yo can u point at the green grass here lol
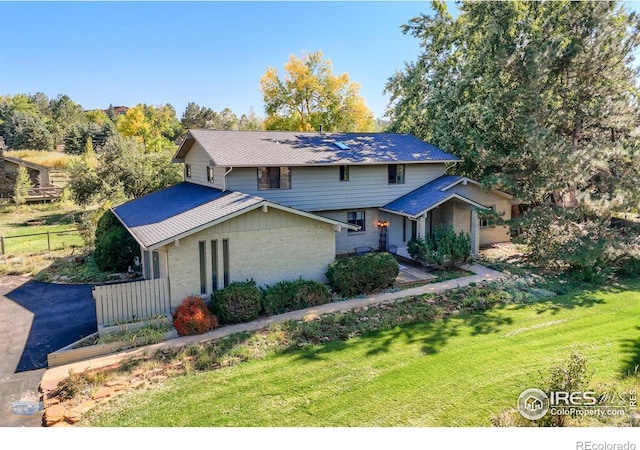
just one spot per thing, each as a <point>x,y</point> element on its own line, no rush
<point>460,371</point>
<point>60,237</point>
<point>57,218</point>
<point>30,255</point>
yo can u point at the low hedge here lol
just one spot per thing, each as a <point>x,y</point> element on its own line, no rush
<point>362,274</point>
<point>287,296</point>
<point>241,301</point>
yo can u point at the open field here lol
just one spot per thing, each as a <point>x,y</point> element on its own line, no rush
<point>57,160</point>
<point>461,371</point>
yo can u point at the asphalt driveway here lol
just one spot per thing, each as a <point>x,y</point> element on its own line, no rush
<point>36,319</point>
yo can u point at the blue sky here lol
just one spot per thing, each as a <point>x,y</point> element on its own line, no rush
<point>209,52</point>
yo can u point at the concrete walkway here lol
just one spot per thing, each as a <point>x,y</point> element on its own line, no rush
<point>481,274</point>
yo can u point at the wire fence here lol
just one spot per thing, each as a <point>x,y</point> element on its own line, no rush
<point>32,242</point>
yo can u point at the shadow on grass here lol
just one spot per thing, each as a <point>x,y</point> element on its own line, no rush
<point>557,304</point>
<point>631,350</point>
<point>432,336</point>
<point>436,334</point>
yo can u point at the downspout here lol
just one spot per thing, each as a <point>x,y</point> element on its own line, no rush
<point>449,166</point>
<point>225,178</point>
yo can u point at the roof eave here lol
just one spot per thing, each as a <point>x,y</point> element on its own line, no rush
<point>329,164</point>
<point>143,246</point>
<point>184,148</point>
<point>24,162</point>
<point>477,183</point>
<point>234,214</point>
<point>311,216</point>
<point>435,205</point>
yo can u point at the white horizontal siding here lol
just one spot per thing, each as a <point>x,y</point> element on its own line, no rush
<point>199,160</point>
<point>319,188</point>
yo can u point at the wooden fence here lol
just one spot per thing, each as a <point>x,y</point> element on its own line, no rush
<point>125,302</point>
<point>48,234</point>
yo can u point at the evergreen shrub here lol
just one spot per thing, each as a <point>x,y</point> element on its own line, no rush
<point>287,296</point>
<point>362,274</point>
<point>241,301</point>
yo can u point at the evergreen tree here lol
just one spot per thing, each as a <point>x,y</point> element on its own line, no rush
<point>111,113</point>
<point>538,99</point>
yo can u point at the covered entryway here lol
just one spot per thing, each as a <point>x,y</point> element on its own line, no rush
<point>421,211</point>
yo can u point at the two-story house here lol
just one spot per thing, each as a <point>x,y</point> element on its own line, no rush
<point>271,206</point>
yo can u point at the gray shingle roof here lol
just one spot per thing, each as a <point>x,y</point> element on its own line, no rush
<point>171,212</point>
<point>286,148</point>
<point>185,208</point>
<point>426,197</point>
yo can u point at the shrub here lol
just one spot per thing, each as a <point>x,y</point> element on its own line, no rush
<point>445,250</point>
<point>193,317</point>
<point>573,376</point>
<point>628,267</point>
<point>362,274</point>
<point>115,248</point>
<point>292,295</point>
<point>587,247</point>
<point>238,302</point>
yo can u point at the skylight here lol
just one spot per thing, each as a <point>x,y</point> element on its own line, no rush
<point>341,145</point>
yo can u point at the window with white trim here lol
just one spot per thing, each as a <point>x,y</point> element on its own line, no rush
<point>356,218</point>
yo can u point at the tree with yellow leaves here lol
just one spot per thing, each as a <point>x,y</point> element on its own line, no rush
<point>157,127</point>
<point>310,97</point>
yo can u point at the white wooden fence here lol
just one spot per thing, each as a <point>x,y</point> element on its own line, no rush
<point>124,302</point>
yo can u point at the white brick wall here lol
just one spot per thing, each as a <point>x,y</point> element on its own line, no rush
<point>268,247</point>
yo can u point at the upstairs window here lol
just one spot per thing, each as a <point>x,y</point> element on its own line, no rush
<point>210,174</point>
<point>396,173</point>
<point>344,173</point>
<point>274,178</point>
<point>187,170</point>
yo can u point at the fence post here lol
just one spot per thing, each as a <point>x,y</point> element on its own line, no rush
<point>48,240</point>
<point>2,244</point>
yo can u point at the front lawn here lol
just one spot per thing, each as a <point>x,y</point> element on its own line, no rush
<point>462,371</point>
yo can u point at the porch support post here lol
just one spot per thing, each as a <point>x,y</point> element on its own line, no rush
<point>422,225</point>
<point>475,233</point>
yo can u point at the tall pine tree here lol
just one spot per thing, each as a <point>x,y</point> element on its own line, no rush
<point>539,99</point>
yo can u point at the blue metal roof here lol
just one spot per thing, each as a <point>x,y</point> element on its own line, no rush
<point>423,198</point>
<point>165,203</point>
<point>170,212</point>
<point>185,208</point>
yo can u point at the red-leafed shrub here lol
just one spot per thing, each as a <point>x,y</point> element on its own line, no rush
<point>193,317</point>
